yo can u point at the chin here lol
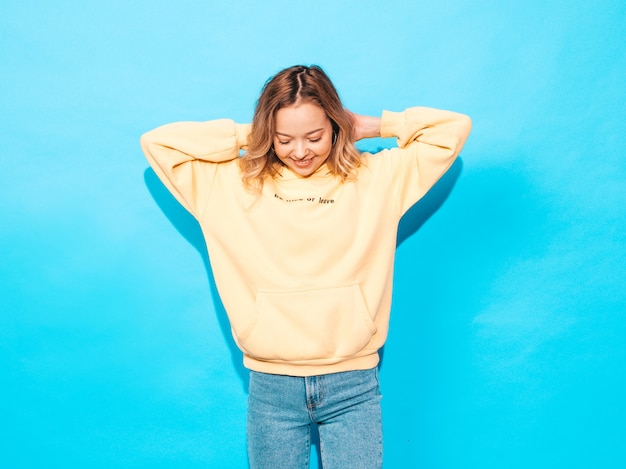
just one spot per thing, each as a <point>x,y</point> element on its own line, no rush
<point>304,172</point>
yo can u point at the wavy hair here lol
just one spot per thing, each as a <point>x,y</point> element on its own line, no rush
<point>291,86</point>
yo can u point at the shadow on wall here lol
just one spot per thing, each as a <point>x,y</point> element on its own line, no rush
<point>419,213</point>
<point>187,226</point>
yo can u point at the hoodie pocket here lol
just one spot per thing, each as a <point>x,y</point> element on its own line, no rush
<point>309,325</point>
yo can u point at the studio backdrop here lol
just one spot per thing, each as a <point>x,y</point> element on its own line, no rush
<point>508,330</point>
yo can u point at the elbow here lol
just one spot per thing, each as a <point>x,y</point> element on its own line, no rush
<point>466,124</point>
<point>147,142</point>
<point>465,127</point>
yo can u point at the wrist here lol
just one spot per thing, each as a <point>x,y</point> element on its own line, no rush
<point>373,127</point>
<point>368,127</point>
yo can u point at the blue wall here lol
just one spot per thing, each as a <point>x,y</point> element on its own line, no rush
<point>507,344</point>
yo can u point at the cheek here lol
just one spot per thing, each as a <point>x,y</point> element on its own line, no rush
<point>280,153</point>
<point>279,149</point>
<point>325,148</point>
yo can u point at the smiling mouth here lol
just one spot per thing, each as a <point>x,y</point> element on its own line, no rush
<point>303,163</point>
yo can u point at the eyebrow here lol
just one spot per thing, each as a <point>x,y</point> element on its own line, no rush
<point>308,133</point>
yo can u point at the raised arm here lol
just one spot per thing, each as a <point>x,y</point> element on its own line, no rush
<point>429,140</point>
<point>446,130</point>
<point>185,156</point>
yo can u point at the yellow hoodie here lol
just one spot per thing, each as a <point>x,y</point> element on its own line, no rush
<point>305,270</point>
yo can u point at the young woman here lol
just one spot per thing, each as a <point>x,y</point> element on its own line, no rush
<point>301,233</point>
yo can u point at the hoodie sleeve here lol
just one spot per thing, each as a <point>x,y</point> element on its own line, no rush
<point>187,155</point>
<point>429,140</point>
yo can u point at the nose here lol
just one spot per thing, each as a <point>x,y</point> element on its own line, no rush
<point>301,150</point>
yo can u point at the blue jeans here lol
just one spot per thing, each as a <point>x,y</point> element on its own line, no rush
<point>346,407</point>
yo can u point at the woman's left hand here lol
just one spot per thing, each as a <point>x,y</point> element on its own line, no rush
<point>364,126</point>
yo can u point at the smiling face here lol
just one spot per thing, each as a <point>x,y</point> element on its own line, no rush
<point>303,139</point>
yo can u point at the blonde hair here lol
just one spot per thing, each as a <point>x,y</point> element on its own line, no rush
<point>291,86</point>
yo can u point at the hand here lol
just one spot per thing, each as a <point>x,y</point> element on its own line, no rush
<point>364,126</point>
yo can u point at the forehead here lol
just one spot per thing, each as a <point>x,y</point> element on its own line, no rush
<point>300,118</point>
